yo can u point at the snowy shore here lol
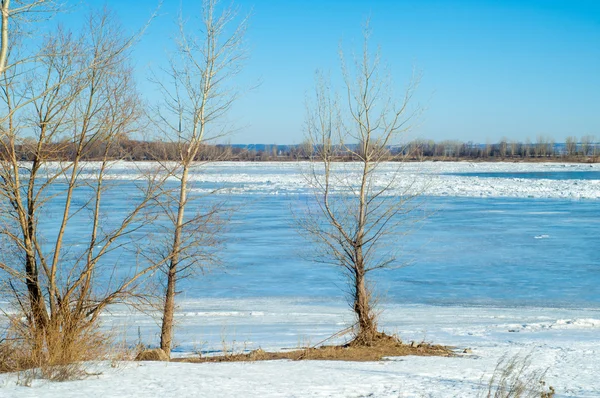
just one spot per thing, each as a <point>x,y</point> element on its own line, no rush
<point>563,342</point>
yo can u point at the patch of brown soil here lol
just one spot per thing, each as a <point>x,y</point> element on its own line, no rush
<point>385,346</point>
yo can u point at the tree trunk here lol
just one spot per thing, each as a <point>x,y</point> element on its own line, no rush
<point>362,300</point>
<point>166,336</point>
<point>36,300</point>
<point>367,329</point>
<point>4,40</point>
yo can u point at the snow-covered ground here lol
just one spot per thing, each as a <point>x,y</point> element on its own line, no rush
<point>562,341</point>
<point>506,264</point>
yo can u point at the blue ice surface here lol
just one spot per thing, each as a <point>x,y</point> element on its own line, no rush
<point>547,175</point>
<point>467,251</point>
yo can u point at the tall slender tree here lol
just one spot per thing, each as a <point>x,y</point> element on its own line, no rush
<point>198,93</point>
<point>356,208</point>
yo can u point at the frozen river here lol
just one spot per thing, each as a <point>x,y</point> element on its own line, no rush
<point>492,251</point>
<point>501,234</point>
<point>505,263</point>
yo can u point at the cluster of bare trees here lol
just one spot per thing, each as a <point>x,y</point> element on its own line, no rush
<point>544,147</point>
<point>73,98</point>
<point>129,149</point>
<point>76,88</point>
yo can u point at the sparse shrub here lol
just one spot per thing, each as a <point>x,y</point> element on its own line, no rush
<point>56,353</point>
<point>155,354</point>
<point>513,378</point>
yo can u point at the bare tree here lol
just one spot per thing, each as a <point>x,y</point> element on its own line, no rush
<point>513,148</point>
<point>571,146</point>
<point>503,147</point>
<point>488,148</point>
<point>80,93</point>
<point>305,150</point>
<point>527,148</point>
<point>198,94</point>
<point>544,146</point>
<point>587,143</point>
<point>417,148</point>
<point>540,146</point>
<point>550,147</point>
<point>356,209</point>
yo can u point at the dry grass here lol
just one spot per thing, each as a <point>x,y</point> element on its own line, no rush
<point>155,354</point>
<point>55,354</point>
<point>385,346</point>
<point>513,378</point>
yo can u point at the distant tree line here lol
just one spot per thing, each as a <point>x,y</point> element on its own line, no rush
<point>544,147</point>
<point>583,149</point>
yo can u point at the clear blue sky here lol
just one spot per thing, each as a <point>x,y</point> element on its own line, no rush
<point>490,68</point>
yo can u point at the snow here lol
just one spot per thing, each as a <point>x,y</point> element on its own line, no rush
<point>562,342</point>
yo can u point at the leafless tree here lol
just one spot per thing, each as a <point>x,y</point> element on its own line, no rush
<point>356,209</point>
<point>198,94</point>
<point>551,147</point>
<point>503,147</point>
<point>304,150</point>
<point>488,148</point>
<point>416,148</point>
<point>81,93</point>
<point>587,145</point>
<point>513,148</point>
<point>544,146</point>
<point>571,146</point>
<point>540,146</point>
<point>527,147</point>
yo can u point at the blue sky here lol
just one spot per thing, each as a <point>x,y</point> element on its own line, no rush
<point>490,69</point>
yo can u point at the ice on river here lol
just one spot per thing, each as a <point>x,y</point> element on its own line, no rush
<point>467,179</point>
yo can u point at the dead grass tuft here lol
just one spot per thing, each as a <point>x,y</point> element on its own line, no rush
<point>513,378</point>
<point>155,354</point>
<point>376,339</point>
<point>55,353</point>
